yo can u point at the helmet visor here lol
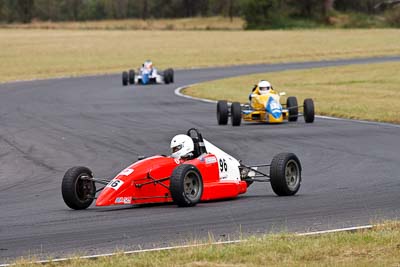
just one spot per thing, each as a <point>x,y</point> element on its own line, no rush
<point>176,148</point>
<point>265,88</point>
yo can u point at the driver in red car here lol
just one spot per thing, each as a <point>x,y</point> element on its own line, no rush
<point>182,147</point>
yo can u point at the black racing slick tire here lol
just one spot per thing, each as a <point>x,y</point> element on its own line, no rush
<point>78,193</point>
<point>285,174</point>
<point>186,185</point>
<point>292,106</point>
<point>125,78</point>
<point>131,77</point>
<point>167,76</point>
<point>171,75</point>
<point>309,113</point>
<point>236,114</point>
<point>222,112</point>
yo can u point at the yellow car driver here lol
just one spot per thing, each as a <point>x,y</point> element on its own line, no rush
<point>260,95</point>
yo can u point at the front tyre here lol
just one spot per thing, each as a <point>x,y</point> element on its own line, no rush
<point>125,78</point>
<point>292,106</point>
<point>309,113</point>
<point>78,193</point>
<point>131,77</point>
<point>186,185</point>
<point>236,113</point>
<point>222,112</point>
<point>285,174</point>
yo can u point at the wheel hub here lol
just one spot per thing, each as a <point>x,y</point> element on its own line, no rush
<point>191,185</point>
<point>292,174</point>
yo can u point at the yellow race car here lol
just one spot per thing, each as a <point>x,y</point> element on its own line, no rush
<point>265,108</point>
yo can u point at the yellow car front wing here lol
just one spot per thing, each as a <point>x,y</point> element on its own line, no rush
<point>263,116</point>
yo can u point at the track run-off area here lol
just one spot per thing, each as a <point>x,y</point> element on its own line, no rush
<point>350,168</point>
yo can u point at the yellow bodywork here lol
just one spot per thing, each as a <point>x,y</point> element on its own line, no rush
<point>258,105</point>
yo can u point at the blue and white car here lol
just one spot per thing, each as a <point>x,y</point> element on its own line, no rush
<point>147,74</point>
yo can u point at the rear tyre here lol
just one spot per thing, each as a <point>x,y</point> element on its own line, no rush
<point>167,76</point>
<point>292,106</point>
<point>77,192</point>
<point>236,113</point>
<point>186,185</point>
<point>309,113</point>
<point>171,75</point>
<point>285,174</point>
<point>125,78</point>
<point>222,112</point>
<point>131,76</point>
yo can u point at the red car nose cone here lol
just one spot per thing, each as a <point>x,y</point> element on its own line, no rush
<point>106,197</point>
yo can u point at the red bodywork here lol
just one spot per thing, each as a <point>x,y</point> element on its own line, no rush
<point>147,181</point>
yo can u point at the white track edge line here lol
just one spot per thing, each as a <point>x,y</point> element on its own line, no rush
<point>179,93</point>
<point>347,229</point>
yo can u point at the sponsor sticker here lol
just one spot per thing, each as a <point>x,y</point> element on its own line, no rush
<point>115,184</point>
<point>177,161</point>
<point>123,200</point>
<point>210,160</point>
<point>223,176</point>
<point>126,172</point>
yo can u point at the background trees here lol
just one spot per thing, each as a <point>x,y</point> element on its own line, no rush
<point>257,13</point>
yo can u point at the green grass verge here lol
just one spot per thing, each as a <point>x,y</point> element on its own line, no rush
<point>367,92</point>
<point>28,54</point>
<point>377,247</point>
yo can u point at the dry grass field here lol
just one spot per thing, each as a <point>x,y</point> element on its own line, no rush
<point>367,92</point>
<point>196,23</point>
<point>377,247</point>
<point>27,54</point>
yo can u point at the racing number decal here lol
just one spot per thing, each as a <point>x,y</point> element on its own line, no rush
<point>274,105</point>
<point>115,184</point>
<point>222,165</point>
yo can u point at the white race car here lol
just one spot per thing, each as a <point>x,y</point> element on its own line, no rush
<point>147,74</point>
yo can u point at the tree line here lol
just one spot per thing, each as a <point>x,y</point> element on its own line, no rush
<point>81,10</point>
<point>256,12</point>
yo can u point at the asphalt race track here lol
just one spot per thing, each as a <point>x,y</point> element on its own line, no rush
<point>350,169</point>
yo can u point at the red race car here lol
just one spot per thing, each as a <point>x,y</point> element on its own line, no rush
<point>196,171</point>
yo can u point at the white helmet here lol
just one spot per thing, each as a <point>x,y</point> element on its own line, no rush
<point>148,64</point>
<point>181,146</point>
<point>264,87</point>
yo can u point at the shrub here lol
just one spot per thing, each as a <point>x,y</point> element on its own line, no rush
<point>260,13</point>
<point>393,17</point>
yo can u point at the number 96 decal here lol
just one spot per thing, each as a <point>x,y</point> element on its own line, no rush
<point>115,184</point>
<point>223,167</point>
